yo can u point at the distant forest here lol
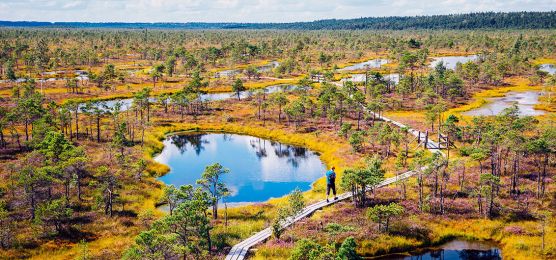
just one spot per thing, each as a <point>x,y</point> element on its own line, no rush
<point>489,20</point>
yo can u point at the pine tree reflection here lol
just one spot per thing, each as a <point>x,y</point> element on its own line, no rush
<point>196,142</point>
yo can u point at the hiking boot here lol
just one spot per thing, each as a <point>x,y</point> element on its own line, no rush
<point>335,198</point>
<point>327,201</point>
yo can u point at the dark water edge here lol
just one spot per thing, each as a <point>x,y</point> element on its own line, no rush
<point>453,250</point>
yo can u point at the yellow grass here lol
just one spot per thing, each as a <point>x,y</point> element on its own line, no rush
<point>544,61</point>
<point>517,84</point>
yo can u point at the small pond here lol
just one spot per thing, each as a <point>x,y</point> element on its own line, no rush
<point>226,73</point>
<point>394,78</point>
<point>525,101</point>
<point>549,68</point>
<point>454,250</point>
<point>232,72</point>
<point>371,64</point>
<point>79,75</point>
<point>259,169</point>
<point>244,94</point>
<point>268,67</point>
<point>126,103</point>
<point>450,62</point>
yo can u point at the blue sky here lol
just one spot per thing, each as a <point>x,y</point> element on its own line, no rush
<point>247,10</point>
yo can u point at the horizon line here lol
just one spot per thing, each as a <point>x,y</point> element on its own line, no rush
<point>308,21</point>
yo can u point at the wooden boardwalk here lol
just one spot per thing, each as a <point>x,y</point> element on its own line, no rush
<point>240,250</point>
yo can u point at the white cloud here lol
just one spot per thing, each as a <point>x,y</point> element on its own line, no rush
<point>247,10</point>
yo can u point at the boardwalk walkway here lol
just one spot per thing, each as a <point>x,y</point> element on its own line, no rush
<point>240,250</point>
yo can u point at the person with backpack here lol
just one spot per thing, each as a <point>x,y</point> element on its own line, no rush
<point>331,183</point>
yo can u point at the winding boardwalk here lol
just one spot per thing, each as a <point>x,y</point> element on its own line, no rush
<point>240,250</point>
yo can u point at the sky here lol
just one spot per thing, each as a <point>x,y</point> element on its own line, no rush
<point>246,10</point>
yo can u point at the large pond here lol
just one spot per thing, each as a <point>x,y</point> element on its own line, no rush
<point>259,169</point>
<point>371,64</point>
<point>450,62</point>
<point>549,68</point>
<point>454,250</point>
<point>525,101</point>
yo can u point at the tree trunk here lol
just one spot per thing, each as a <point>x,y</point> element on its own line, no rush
<point>77,123</point>
<point>98,128</point>
<point>420,181</point>
<point>79,188</point>
<point>26,129</point>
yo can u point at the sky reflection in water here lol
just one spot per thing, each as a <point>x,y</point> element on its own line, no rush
<point>260,169</point>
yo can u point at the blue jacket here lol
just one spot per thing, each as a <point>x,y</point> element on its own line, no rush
<point>330,177</point>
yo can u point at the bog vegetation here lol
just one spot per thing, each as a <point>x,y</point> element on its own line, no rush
<point>84,110</point>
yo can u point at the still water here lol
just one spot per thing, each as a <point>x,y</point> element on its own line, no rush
<point>455,250</point>
<point>525,101</point>
<point>126,103</point>
<point>393,78</point>
<point>450,62</point>
<point>232,72</point>
<point>259,169</point>
<point>549,68</point>
<point>371,64</point>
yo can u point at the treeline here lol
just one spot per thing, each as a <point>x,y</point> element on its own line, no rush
<point>488,20</point>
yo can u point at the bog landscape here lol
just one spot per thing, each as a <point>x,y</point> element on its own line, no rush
<point>435,136</point>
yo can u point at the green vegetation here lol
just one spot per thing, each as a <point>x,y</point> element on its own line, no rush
<point>79,181</point>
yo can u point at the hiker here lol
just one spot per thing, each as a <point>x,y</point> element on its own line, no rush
<point>331,183</point>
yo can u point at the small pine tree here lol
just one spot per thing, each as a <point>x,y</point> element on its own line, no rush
<point>347,250</point>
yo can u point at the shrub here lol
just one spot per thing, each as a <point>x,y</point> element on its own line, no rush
<point>345,129</point>
<point>356,141</point>
<point>382,214</point>
<point>276,224</point>
<point>306,249</point>
<point>466,150</point>
<point>296,201</point>
<point>336,228</point>
<point>347,250</point>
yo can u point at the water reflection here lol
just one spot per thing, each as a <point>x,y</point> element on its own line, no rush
<point>525,101</point>
<point>126,103</point>
<point>455,250</point>
<point>80,75</point>
<point>548,68</point>
<point>371,64</point>
<point>194,141</point>
<point>260,169</point>
<point>450,62</point>
<point>268,67</point>
<point>226,73</point>
<point>393,78</point>
<point>233,72</point>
